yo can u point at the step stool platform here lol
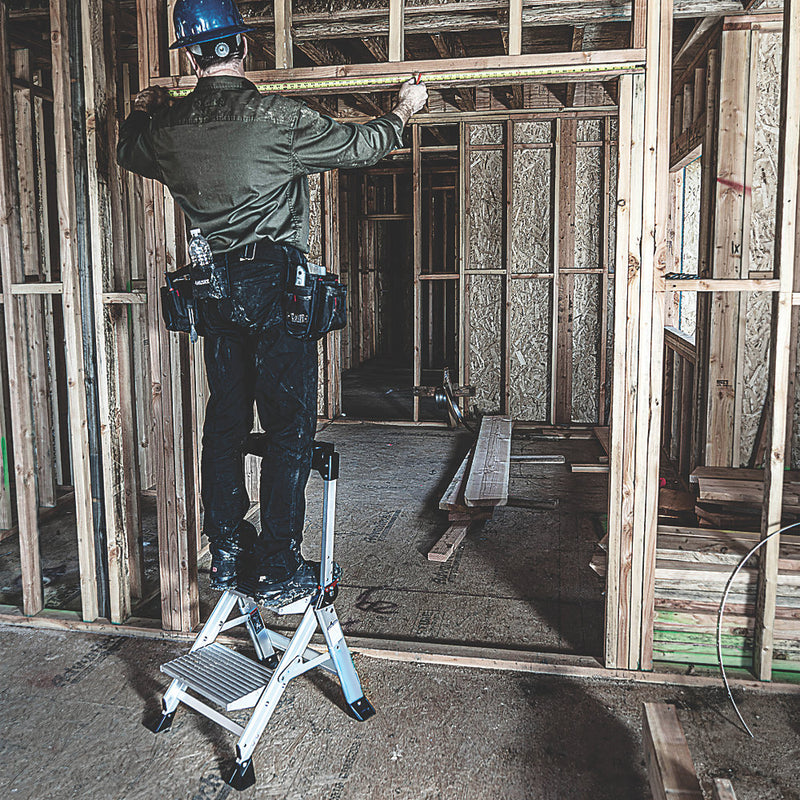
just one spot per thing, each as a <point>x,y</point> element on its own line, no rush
<point>221,675</point>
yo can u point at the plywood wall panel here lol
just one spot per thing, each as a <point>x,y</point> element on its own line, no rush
<point>761,250</point>
<point>589,130</point>
<point>533,132</point>
<point>486,230</point>
<point>585,348</point>
<point>531,235</point>
<point>758,320</point>
<point>690,242</point>
<point>531,314</point>
<point>588,223</point>
<point>484,300</point>
<point>486,134</point>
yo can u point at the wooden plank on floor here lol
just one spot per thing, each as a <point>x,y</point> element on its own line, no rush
<point>453,498</point>
<point>669,762</point>
<point>487,484</point>
<point>723,790</point>
<point>446,546</point>
<point>599,468</point>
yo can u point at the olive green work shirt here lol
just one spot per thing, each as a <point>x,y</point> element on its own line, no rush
<point>237,161</point>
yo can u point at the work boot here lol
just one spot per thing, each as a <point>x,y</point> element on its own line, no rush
<point>229,555</point>
<point>304,582</point>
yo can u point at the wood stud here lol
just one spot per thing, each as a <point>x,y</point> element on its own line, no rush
<point>787,269</point>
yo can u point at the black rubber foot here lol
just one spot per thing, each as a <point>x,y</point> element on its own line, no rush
<point>270,662</point>
<point>362,709</point>
<point>164,723</point>
<point>243,777</point>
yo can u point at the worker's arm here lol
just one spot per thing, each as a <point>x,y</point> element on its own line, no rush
<point>320,143</point>
<point>134,148</point>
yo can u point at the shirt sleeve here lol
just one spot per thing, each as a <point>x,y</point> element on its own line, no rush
<point>320,143</point>
<point>135,146</point>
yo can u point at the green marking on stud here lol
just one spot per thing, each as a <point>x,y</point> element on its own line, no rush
<point>4,449</point>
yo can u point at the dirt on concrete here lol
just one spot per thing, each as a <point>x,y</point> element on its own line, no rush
<point>74,707</point>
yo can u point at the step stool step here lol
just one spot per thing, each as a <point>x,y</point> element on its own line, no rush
<point>221,675</point>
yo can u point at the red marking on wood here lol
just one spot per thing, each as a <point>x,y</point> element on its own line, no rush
<point>740,187</point>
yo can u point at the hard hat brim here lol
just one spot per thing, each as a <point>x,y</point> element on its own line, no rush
<point>210,36</point>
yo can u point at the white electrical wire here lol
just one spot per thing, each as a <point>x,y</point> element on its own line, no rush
<point>722,611</point>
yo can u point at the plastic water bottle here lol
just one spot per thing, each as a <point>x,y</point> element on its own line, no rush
<point>200,251</point>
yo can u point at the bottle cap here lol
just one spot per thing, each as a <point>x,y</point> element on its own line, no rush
<point>195,231</point>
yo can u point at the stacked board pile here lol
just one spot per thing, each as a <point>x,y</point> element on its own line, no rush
<point>732,497</point>
<point>692,567</point>
<point>479,485</point>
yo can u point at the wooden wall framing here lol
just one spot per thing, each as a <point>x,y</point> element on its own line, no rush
<point>638,340</point>
<point>512,178</point>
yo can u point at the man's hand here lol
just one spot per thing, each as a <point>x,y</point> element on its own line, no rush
<point>412,98</point>
<point>151,98</point>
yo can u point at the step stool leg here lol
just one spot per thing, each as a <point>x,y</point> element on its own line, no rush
<point>216,619</point>
<point>169,704</point>
<point>259,635</point>
<point>328,621</point>
<point>268,701</point>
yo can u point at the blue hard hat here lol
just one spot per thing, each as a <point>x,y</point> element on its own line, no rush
<point>198,21</point>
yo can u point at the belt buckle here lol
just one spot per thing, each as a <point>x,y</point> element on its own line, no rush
<point>248,252</point>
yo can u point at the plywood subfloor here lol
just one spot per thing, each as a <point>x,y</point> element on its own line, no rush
<point>522,579</point>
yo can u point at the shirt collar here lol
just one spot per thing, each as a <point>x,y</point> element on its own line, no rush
<point>211,82</point>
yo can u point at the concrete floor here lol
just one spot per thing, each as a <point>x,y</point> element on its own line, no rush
<point>73,705</point>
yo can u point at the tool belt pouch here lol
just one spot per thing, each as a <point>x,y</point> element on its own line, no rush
<point>177,301</point>
<point>313,304</point>
<point>211,283</point>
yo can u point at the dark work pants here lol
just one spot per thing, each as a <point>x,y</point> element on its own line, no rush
<point>250,358</point>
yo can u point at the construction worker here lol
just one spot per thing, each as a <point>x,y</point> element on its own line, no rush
<point>237,163</point>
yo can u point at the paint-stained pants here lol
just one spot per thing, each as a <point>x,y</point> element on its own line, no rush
<point>250,358</point>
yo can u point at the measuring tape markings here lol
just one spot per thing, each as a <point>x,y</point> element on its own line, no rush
<point>442,77</point>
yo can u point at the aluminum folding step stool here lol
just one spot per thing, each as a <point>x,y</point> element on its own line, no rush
<point>233,681</point>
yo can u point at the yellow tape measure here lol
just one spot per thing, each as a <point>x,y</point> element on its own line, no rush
<point>436,77</point>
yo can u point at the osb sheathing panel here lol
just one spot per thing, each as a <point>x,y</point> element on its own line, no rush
<point>758,318</point>
<point>586,296</point>
<point>589,130</point>
<point>588,222</point>
<point>486,209</point>
<point>486,134</point>
<point>585,342</point>
<point>484,297</point>
<point>531,235</point>
<point>691,216</point>
<point>753,383</point>
<point>531,315</point>
<point>533,132</point>
<point>684,230</point>
<point>315,254</point>
<point>531,299</point>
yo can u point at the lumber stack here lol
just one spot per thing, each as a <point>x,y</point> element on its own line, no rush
<point>729,496</point>
<point>692,567</point>
<point>479,485</point>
